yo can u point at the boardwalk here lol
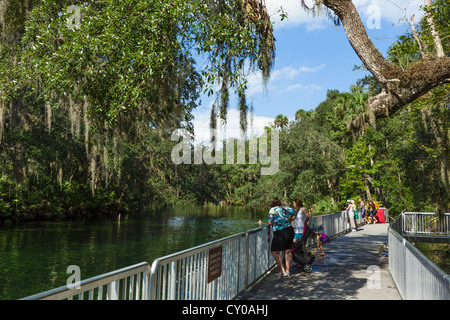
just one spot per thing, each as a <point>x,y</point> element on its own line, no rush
<point>346,272</point>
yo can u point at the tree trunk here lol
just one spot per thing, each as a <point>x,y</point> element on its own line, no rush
<point>399,87</point>
<point>434,34</point>
<point>330,187</point>
<point>369,195</point>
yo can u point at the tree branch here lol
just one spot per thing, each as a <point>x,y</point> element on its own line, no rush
<point>411,22</point>
<point>399,87</point>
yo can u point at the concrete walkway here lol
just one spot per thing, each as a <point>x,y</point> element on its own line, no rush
<point>351,269</point>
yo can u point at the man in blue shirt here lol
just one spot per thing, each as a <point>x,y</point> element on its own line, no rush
<point>280,219</point>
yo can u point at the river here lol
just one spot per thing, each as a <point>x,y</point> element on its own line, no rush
<point>34,256</point>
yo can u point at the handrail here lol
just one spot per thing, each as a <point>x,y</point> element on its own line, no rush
<point>136,276</point>
<point>425,223</point>
<point>414,274</point>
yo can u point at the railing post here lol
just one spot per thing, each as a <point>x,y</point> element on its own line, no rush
<point>172,281</point>
<point>246,256</point>
<point>414,223</point>
<point>238,280</point>
<point>402,224</point>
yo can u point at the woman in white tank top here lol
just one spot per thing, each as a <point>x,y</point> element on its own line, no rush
<point>301,220</point>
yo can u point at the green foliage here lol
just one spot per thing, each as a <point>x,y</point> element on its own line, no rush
<point>359,169</point>
<point>325,206</point>
<point>126,57</point>
<point>86,115</point>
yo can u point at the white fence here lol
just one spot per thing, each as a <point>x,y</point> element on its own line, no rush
<point>425,224</point>
<point>416,277</point>
<point>130,283</point>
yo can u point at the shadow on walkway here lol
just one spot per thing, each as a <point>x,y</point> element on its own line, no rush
<point>351,269</point>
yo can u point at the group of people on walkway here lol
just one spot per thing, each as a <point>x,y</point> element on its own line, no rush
<point>368,215</point>
<point>289,225</point>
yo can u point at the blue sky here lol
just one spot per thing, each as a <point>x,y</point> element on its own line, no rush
<point>312,56</point>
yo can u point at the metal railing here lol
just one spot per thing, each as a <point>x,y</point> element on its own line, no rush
<point>184,275</point>
<point>415,275</point>
<point>245,258</point>
<point>130,283</point>
<point>425,223</point>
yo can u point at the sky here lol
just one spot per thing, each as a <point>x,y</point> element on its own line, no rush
<point>312,56</point>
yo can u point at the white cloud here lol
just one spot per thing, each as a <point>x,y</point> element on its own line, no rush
<point>292,72</point>
<point>392,11</point>
<point>299,86</point>
<point>296,15</point>
<point>278,77</point>
<point>256,125</point>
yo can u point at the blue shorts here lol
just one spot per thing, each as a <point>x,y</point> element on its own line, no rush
<point>298,236</point>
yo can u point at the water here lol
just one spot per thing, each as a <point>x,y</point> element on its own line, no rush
<point>439,253</point>
<point>34,256</point>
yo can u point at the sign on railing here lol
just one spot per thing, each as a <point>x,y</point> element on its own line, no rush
<point>214,263</point>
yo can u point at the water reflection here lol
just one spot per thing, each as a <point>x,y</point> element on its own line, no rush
<point>34,256</point>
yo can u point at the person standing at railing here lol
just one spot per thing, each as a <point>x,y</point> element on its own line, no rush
<point>355,214</point>
<point>362,209</point>
<point>351,215</point>
<point>280,219</point>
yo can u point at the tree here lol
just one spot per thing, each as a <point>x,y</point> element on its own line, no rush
<point>127,68</point>
<point>301,114</point>
<point>281,121</point>
<point>398,87</point>
<point>359,170</point>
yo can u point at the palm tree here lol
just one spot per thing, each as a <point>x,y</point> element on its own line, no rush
<point>281,121</point>
<point>342,104</point>
<point>301,114</point>
<point>352,109</point>
<point>359,107</point>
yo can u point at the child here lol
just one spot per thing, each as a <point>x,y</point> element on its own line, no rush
<point>321,238</point>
